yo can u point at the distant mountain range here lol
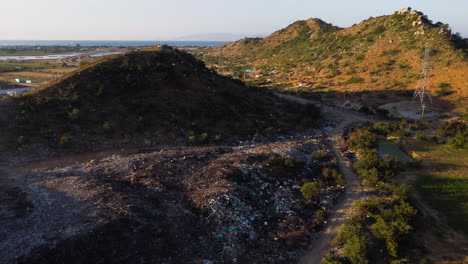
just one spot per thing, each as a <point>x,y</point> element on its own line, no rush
<point>216,37</point>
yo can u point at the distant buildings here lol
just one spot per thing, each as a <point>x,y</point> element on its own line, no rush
<point>21,80</point>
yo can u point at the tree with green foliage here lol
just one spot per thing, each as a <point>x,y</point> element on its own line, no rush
<point>310,191</point>
<point>355,249</point>
<point>459,141</point>
<point>367,160</point>
<point>361,140</point>
<point>74,114</point>
<point>391,224</point>
<point>333,175</point>
<point>452,127</point>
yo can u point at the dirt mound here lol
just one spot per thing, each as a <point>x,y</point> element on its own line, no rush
<point>145,97</point>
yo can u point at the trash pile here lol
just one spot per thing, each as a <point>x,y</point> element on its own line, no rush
<point>234,204</point>
<point>233,219</point>
<point>249,204</point>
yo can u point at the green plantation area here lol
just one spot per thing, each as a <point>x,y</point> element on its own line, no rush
<point>444,180</point>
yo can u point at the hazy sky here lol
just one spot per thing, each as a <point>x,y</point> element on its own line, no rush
<point>172,19</point>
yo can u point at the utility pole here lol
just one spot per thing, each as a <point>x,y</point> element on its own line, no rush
<point>421,91</point>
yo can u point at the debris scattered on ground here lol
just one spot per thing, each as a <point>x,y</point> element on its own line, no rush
<point>182,205</point>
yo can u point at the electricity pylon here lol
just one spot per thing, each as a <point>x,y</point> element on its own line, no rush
<point>422,90</point>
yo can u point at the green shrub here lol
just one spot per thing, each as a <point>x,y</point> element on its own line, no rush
<point>399,261</point>
<point>322,154</point>
<point>360,57</point>
<point>100,90</point>
<point>458,141</point>
<point>369,166</point>
<point>289,162</point>
<point>354,79</point>
<point>334,175</point>
<point>390,52</point>
<point>420,135</point>
<point>218,138</point>
<point>74,114</point>
<point>204,137</point>
<point>368,159</point>
<point>362,140</point>
<point>392,224</point>
<point>63,140</point>
<point>192,139</point>
<point>355,249</point>
<point>310,191</point>
<point>422,124</point>
<point>452,127</point>
<point>443,89</point>
<point>401,133</point>
<point>370,177</point>
<point>276,161</point>
<point>329,260</point>
<point>106,126</point>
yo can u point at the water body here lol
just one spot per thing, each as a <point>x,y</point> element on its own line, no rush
<point>56,56</point>
<point>100,54</point>
<point>110,43</point>
<point>387,147</point>
<point>17,90</point>
<point>45,57</point>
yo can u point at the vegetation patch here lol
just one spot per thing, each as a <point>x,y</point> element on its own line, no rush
<point>444,181</point>
<point>382,221</point>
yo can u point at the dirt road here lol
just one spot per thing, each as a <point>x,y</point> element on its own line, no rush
<point>338,214</point>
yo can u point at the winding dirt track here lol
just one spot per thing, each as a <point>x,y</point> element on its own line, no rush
<point>338,214</point>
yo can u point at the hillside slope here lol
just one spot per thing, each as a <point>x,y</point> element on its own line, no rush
<point>382,53</point>
<point>145,97</point>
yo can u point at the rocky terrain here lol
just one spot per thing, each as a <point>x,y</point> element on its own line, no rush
<point>374,61</point>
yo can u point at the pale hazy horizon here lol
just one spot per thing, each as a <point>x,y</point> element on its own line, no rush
<point>179,19</point>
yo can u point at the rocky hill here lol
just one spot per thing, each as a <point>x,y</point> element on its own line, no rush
<point>383,53</point>
<point>157,96</point>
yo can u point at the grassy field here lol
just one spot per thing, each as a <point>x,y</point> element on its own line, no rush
<point>444,180</point>
<point>38,71</point>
